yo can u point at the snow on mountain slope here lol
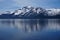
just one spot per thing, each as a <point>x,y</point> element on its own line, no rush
<point>53,11</point>
<point>34,11</point>
<point>28,11</point>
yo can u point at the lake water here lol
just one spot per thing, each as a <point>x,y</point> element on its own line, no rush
<point>29,29</point>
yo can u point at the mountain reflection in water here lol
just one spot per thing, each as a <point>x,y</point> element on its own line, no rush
<point>29,29</point>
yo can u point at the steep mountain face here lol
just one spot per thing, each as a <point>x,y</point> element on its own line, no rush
<point>30,11</point>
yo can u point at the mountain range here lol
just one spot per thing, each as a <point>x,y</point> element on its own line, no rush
<point>32,12</point>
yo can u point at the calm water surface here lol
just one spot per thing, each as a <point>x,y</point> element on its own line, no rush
<point>29,29</point>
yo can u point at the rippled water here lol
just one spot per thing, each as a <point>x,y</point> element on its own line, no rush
<point>29,29</point>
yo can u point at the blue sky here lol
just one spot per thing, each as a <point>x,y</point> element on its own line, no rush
<point>16,4</point>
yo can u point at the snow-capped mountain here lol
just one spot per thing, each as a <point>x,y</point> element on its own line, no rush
<point>30,11</point>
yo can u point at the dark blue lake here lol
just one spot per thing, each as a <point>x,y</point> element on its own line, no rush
<point>29,29</point>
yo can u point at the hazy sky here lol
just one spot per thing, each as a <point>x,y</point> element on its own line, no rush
<point>16,4</point>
